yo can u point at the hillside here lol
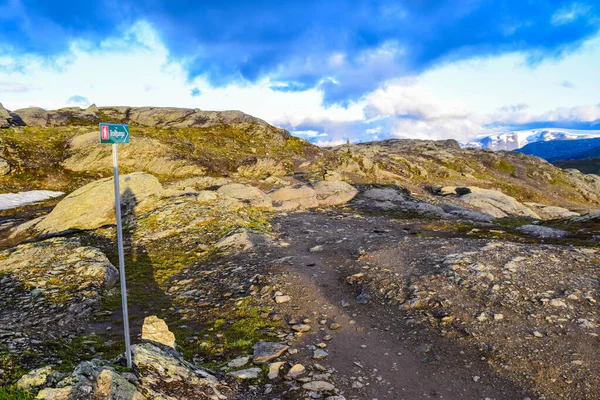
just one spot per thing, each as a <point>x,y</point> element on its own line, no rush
<point>260,266</point>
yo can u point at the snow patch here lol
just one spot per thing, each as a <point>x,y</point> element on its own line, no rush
<point>14,200</point>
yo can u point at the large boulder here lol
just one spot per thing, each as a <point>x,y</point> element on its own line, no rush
<point>551,212</point>
<point>494,203</point>
<point>331,193</point>
<point>304,197</point>
<point>93,205</point>
<point>246,194</point>
<point>5,118</point>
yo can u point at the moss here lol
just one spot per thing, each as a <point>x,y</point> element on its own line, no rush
<point>9,393</point>
<point>505,166</point>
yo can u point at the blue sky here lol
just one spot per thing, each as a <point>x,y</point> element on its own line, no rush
<point>327,70</point>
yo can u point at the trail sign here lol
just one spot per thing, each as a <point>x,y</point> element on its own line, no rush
<point>114,133</point>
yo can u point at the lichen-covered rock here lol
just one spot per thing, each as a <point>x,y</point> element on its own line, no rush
<point>246,194</point>
<point>34,379</point>
<point>112,386</point>
<point>63,393</point>
<point>331,193</point>
<point>34,116</point>
<point>156,330</point>
<point>236,241</point>
<point>167,374</point>
<point>304,197</point>
<point>92,205</point>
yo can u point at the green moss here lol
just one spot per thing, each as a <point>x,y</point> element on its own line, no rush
<point>505,166</point>
<point>8,393</point>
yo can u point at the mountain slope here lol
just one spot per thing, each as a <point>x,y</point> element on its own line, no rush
<point>518,139</point>
<point>563,149</point>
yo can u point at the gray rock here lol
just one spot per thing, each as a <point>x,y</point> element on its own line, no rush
<point>238,362</point>
<point>266,351</point>
<point>387,194</point>
<point>319,354</point>
<point>551,212</point>
<point>319,386</point>
<point>541,231</point>
<point>5,118</point>
<point>495,203</point>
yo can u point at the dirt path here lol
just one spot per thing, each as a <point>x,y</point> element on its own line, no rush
<point>380,352</point>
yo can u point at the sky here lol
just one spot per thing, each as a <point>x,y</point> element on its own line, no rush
<point>328,71</point>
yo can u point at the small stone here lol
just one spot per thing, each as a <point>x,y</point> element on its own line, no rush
<point>301,328</point>
<point>335,326</point>
<point>476,378</point>
<point>316,249</point>
<point>274,369</point>
<point>238,362</point>
<point>537,334</point>
<point>250,373</point>
<point>319,386</point>
<point>319,354</point>
<point>295,371</point>
<point>156,330</point>
<point>498,317</point>
<point>321,345</point>
<point>558,303</point>
<point>266,351</point>
<point>282,299</point>
<point>482,317</point>
<point>327,338</point>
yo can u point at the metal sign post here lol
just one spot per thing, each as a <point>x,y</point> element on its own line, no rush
<point>114,134</point>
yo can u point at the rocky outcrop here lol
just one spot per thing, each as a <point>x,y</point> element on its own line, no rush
<point>542,232</point>
<point>260,168</point>
<point>46,286</point>
<point>5,117</point>
<point>332,193</point>
<point>551,212</point>
<point>92,205</point>
<point>490,202</point>
<point>246,194</point>
<point>291,198</point>
<point>142,154</point>
<point>34,116</point>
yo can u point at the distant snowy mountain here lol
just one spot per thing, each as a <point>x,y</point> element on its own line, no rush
<point>518,139</point>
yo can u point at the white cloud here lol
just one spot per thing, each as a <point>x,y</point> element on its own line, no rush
<point>457,100</point>
<point>569,13</point>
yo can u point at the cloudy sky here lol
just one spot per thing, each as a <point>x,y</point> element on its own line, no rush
<point>326,70</point>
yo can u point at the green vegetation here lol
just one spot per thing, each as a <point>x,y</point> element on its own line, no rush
<point>7,393</point>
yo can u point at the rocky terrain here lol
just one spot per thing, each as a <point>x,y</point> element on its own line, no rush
<point>261,267</point>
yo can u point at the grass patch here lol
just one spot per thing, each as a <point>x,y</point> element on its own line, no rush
<point>7,393</point>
